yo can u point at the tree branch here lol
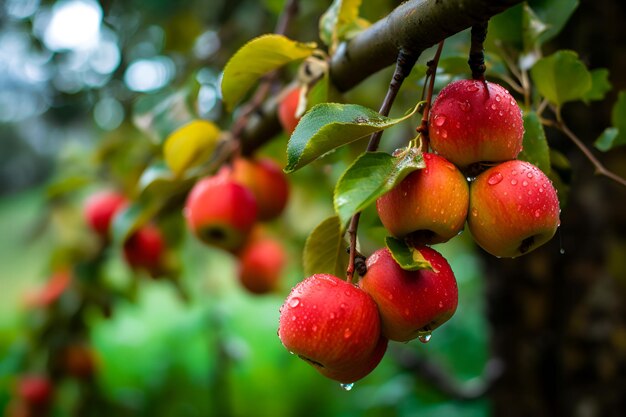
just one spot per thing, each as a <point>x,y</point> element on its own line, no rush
<point>412,27</point>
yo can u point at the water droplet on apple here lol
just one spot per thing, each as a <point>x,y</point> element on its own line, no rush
<point>294,302</point>
<point>425,337</point>
<point>537,213</point>
<point>514,172</point>
<point>343,305</point>
<point>500,113</point>
<point>493,106</point>
<point>524,183</point>
<point>541,190</point>
<point>314,328</point>
<point>513,181</point>
<point>440,120</point>
<point>512,102</point>
<point>494,178</point>
<point>347,333</point>
<point>444,133</point>
<point>332,316</point>
<point>465,105</point>
<point>347,387</point>
<point>472,87</point>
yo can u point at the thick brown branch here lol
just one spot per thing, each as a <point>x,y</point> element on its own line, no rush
<point>413,27</point>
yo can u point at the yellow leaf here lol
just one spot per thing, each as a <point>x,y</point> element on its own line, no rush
<point>190,145</point>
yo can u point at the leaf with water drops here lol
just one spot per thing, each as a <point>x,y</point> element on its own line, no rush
<point>409,258</point>
<point>370,176</point>
<point>328,126</point>
<point>325,249</point>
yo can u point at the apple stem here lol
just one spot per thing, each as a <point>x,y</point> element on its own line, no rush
<point>422,129</point>
<point>404,64</point>
<point>476,59</point>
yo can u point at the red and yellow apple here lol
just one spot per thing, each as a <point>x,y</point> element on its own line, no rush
<point>334,326</point>
<point>475,121</point>
<point>221,212</point>
<point>514,208</point>
<point>428,206</point>
<point>411,303</point>
<point>267,182</point>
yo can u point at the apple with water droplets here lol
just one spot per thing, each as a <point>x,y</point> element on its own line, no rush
<point>411,303</point>
<point>267,182</point>
<point>429,205</point>
<point>287,109</point>
<point>474,121</point>
<point>261,263</point>
<point>514,209</point>
<point>100,208</point>
<point>334,326</point>
<point>221,212</point>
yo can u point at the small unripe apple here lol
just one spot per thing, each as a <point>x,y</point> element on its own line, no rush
<point>100,209</point>
<point>475,121</point>
<point>332,325</point>
<point>144,248</point>
<point>287,109</point>
<point>261,264</point>
<point>221,212</point>
<point>429,206</point>
<point>267,182</point>
<point>513,209</point>
<point>35,390</point>
<point>411,303</point>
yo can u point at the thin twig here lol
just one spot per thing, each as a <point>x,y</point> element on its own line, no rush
<point>404,65</point>
<point>511,82</point>
<point>600,169</point>
<point>432,69</point>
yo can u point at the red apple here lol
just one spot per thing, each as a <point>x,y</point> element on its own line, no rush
<point>267,182</point>
<point>261,264</point>
<point>429,206</point>
<point>332,325</point>
<point>513,209</point>
<point>287,110</point>
<point>221,212</point>
<point>35,390</point>
<point>411,303</point>
<point>470,123</point>
<point>100,209</point>
<point>144,249</point>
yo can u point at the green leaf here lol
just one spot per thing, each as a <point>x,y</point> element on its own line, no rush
<point>157,116</point>
<point>535,146</point>
<point>532,28</point>
<point>190,145</point>
<point>615,135</point>
<point>370,176</point>
<point>606,140</point>
<point>328,126</point>
<point>554,14</point>
<point>600,85</point>
<point>340,18</point>
<point>255,59</point>
<point>409,258</point>
<point>561,77</point>
<point>325,249</point>
<point>154,176</point>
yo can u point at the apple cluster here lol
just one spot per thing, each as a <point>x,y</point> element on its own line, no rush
<point>224,211</point>
<point>342,329</point>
